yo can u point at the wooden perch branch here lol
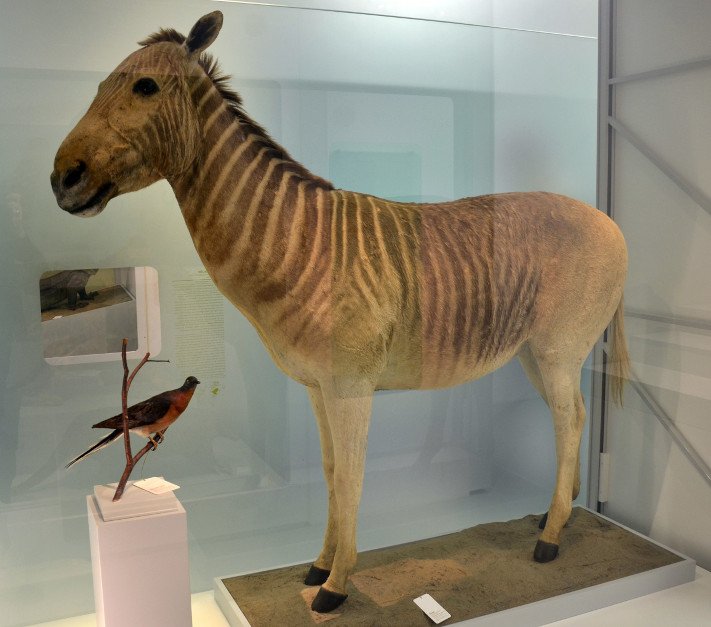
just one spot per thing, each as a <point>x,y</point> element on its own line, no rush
<point>130,460</point>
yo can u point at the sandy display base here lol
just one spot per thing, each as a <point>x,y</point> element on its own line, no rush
<point>477,571</point>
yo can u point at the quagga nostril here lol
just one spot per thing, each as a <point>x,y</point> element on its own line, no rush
<point>73,175</point>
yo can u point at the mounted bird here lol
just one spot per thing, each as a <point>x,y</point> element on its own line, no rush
<point>149,419</point>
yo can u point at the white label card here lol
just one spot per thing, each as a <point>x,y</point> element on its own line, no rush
<point>156,485</point>
<point>433,609</point>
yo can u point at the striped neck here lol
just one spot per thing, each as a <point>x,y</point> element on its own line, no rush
<point>240,195</point>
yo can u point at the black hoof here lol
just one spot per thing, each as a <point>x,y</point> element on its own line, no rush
<point>327,601</point>
<point>316,576</point>
<point>545,552</point>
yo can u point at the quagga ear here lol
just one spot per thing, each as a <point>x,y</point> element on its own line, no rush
<point>204,33</point>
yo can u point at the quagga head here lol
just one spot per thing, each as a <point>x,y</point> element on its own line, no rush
<point>141,126</point>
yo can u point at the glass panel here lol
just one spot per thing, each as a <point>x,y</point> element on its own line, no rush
<point>662,201</point>
<point>653,487</point>
<point>685,148</point>
<point>654,34</point>
<point>407,109</point>
<point>86,313</point>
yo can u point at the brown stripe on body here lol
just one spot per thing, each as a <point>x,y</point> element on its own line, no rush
<point>309,271</point>
<point>226,226</point>
<point>383,246</point>
<point>453,291</point>
<point>272,244</point>
<point>292,222</point>
<point>314,254</point>
<point>479,284</point>
<point>521,314</point>
<point>220,183</point>
<point>247,247</point>
<point>372,266</point>
<point>290,239</point>
<point>517,278</point>
<point>433,289</point>
<point>399,230</point>
<point>500,268</point>
<point>461,282</point>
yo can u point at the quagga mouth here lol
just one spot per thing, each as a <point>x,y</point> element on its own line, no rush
<point>96,203</point>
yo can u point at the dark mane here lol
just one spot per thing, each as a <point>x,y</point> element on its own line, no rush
<point>234,101</point>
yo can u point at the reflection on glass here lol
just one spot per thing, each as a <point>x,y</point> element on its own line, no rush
<point>89,311</point>
<point>65,290</point>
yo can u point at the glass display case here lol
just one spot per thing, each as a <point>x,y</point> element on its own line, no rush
<point>408,108</point>
<point>654,153</point>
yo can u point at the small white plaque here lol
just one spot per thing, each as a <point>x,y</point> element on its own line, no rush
<point>133,503</point>
<point>156,485</point>
<point>433,609</point>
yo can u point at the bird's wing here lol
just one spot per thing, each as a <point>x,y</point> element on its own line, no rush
<point>115,434</point>
<point>141,414</point>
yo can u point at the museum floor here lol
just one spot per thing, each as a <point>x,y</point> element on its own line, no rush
<point>688,605</point>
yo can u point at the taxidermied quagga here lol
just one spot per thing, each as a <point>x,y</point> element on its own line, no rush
<point>352,293</point>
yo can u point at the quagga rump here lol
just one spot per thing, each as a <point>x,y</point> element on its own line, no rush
<point>352,293</point>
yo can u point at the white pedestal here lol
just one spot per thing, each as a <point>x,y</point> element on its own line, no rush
<point>139,554</point>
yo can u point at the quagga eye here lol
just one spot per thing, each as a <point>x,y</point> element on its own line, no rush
<point>145,87</point>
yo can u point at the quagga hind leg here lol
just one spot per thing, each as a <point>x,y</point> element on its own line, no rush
<point>530,367</point>
<point>347,407</point>
<point>559,374</point>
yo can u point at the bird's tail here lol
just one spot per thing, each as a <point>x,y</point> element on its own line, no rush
<point>115,434</point>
